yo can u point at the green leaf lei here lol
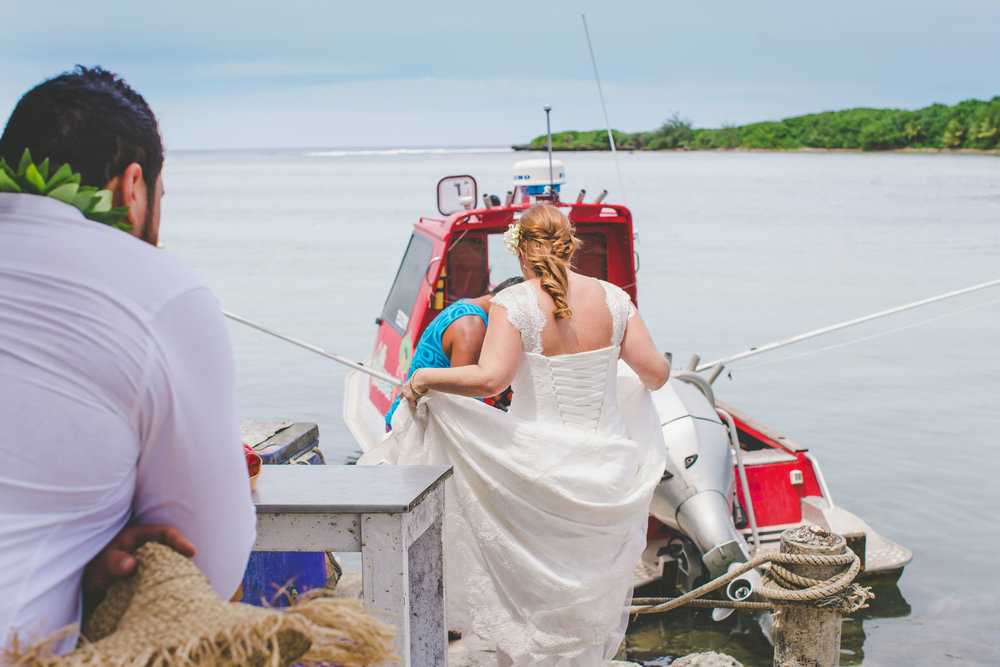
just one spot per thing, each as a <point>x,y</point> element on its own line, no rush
<point>65,186</point>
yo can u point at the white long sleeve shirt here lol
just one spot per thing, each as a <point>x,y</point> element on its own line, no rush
<point>117,403</point>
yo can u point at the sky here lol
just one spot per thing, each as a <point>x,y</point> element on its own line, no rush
<point>330,74</point>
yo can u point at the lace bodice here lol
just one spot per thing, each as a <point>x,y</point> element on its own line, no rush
<point>574,390</point>
<point>523,312</point>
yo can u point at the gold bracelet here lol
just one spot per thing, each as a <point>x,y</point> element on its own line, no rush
<point>416,393</point>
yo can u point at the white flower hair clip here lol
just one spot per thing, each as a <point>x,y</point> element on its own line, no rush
<point>512,237</point>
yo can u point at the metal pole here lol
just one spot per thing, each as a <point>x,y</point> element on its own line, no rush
<point>548,130</point>
<point>611,136</point>
<point>357,365</point>
<point>843,325</point>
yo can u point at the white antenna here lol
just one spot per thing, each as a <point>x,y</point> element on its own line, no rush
<point>548,130</point>
<point>604,107</point>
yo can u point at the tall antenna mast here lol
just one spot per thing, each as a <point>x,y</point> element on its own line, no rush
<point>604,107</point>
<point>548,130</point>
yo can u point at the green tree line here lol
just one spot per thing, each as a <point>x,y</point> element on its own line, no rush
<point>970,124</point>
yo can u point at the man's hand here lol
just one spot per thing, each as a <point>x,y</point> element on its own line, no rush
<point>116,561</point>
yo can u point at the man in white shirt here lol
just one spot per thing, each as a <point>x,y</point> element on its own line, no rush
<point>117,389</point>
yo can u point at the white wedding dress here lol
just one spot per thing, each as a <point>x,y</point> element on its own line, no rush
<point>547,508</point>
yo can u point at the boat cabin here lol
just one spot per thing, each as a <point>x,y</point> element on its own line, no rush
<point>461,255</point>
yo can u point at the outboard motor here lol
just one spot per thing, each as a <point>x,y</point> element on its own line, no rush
<point>696,494</point>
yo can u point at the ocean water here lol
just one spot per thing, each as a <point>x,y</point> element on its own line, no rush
<point>736,250</point>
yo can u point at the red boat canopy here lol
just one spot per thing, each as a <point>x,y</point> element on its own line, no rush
<point>463,256</point>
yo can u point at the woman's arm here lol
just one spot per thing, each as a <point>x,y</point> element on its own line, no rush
<point>641,354</point>
<point>493,373</point>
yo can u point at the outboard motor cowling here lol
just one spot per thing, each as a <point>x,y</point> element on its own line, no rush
<point>695,496</point>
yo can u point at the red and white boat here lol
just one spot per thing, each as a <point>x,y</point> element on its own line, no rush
<point>701,518</point>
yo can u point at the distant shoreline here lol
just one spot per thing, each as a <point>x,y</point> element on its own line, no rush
<point>805,149</point>
<point>972,125</point>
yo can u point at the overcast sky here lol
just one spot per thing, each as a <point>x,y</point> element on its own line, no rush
<point>300,73</point>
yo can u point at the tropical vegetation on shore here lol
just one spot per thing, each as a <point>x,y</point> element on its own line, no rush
<point>972,124</point>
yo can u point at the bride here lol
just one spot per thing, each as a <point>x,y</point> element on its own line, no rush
<point>547,510</point>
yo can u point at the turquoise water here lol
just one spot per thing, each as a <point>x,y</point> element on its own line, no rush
<point>736,250</point>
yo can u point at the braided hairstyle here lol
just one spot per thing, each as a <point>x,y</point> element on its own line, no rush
<point>547,244</point>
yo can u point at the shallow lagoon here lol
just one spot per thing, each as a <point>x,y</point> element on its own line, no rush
<point>736,250</point>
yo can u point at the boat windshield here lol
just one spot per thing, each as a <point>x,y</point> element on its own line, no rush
<point>477,261</point>
<point>590,260</point>
<point>467,264</point>
<point>405,289</point>
<point>592,257</point>
<point>503,263</point>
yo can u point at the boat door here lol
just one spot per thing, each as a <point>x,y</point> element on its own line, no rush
<point>403,314</point>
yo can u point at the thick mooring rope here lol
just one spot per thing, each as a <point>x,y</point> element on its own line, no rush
<point>779,585</point>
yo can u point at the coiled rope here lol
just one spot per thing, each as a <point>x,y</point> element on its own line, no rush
<point>779,585</point>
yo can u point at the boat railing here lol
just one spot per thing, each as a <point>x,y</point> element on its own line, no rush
<point>819,478</point>
<point>767,435</point>
<point>738,452</point>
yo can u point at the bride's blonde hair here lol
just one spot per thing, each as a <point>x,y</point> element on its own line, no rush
<point>548,243</point>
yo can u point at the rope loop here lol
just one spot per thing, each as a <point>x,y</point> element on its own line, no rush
<point>838,593</point>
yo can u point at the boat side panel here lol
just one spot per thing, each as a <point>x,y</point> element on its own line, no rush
<point>777,490</point>
<point>396,340</point>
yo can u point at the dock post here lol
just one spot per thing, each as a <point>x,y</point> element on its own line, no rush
<point>806,635</point>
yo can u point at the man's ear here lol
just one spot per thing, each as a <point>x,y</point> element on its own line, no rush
<point>129,189</point>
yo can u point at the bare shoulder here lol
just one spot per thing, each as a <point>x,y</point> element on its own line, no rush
<point>470,323</point>
<point>585,287</point>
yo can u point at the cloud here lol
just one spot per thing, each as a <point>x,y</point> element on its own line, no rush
<point>395,112</point>
<point>496,111</point>
<point>309,73</point>
<point>254,69</point>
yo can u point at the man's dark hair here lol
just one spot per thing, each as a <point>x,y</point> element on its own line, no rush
<point>90,119</point>
<point>505,284</point>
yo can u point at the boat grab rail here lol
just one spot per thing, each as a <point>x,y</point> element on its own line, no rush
<point>819,478</point>
<point>734,439</point>
<point>699,382</point>
<point>427,273</point>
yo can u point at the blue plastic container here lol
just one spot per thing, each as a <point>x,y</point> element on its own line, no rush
<point>296,444</point>
<point>278,577</point>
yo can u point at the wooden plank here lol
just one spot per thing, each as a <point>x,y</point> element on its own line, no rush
<point>308,532</point>
<point>385,575</point>
<point>345,489</point>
